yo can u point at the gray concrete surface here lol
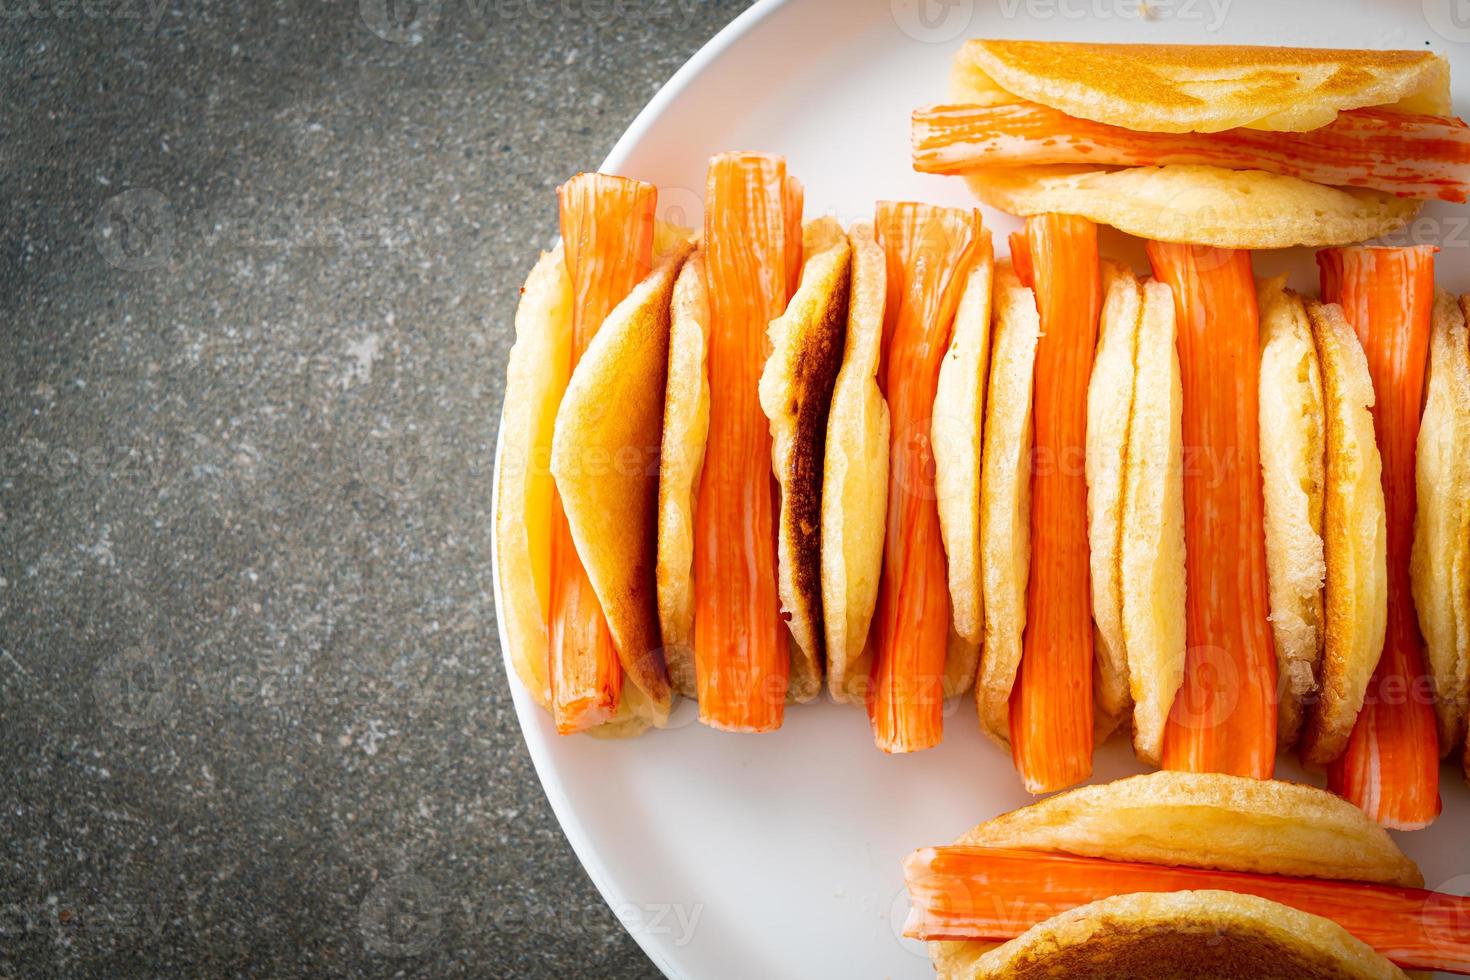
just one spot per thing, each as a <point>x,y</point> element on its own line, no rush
<point>258,264</point>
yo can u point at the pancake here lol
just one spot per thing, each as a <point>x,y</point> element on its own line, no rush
<point>1440,563</point>
<point>602,462</point>
<point>1151,555</point>
<point>1005,499</point>
<point>1293,471</point>
<point>855,478</point>
<point>681,457</point>
<point>1355,539</point>
<point>796,396</point>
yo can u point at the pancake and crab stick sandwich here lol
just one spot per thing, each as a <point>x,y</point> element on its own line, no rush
<point>1390,765</point>
<point>1051,699</point>
<point>918,659</point>
<point>1181,874</point>
<point>1237,147</point>
<point>1224,716</point>
<point>855,478</point>
<point>1440,560</point>
<point>1135,507</point>
<point>752,262</point>
<point>796,395</point>
<point>575,523</point>
<point>1131,523</point>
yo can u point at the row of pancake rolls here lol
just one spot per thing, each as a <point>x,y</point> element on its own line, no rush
<point>771,461</point>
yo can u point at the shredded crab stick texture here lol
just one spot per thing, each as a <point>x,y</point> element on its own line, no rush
<point>1051,704</point>
<point>740,655</point>
<point>930,252</point>
<point>996,894</point>
<point>1409,155</point>
<point>607,228</point>
<point>1391,765</point>
<point>1224,717</point>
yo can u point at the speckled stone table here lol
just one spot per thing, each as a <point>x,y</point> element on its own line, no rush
<point>258,264</point>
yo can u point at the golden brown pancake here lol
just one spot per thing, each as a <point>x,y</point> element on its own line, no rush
<point>1152,553</point>
<point>1109,407</point>
<point>1441,557</point>
<point>796,395</point>
<point>607,437</point>
<point>1005,499</point>
<point>1355,539</point>
<point>855,478</point>
<point>1201,935</point>
<point>1293,480</point>
<point>959,414</point>
<point>535,378</point>
<point>1181,88</point>
<point>685,427</point>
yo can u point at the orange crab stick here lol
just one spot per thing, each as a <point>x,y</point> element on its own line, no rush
<point>1391,765</point>
<point>607,228</point>
<point>1224,716</point>
<point>740,659</point>
<point>998,893</point>
<point>930,252</point>
<point>1405,154</point>
<point>1051,704</point>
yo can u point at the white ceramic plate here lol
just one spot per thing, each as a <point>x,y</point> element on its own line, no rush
<point>779,855</point>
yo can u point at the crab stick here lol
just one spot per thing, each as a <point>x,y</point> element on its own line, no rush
<point>1410,155</point>
<point>1224,717</point>
<point>1051,703</point>
<point>741,663</point>
<point>930,252</point>
<point>998,893</point>
<point>1391,765</point>
<point>607,228</point>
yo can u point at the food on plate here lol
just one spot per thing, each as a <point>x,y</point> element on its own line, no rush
<point>1236,147</point>
<point>1199,508</point>
<point>1390,766</point>
<point>855,478</point>
<point>1005,498</point>
<point>956,433</point>
<point>578,599</point>
<point>796,395</point>
<point>681,456</point>
<point>1355,542</point>
<point>1178,873</point>
<point>1109,405</point>
<point>1293,478</point>
<point>607,229</point>
<point>1400,153</point>
<point>535,378</point>
<point>1440,562</point>
<point>752,235</point>
<point>1224,716</point>
<point>930,253</point>
<point>1051,705</point>
<point>1147,464</point>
